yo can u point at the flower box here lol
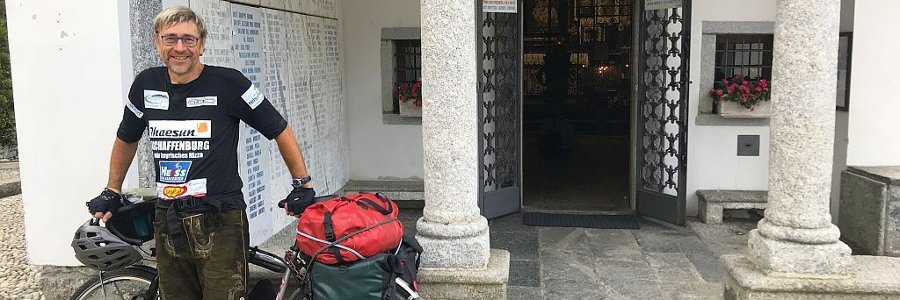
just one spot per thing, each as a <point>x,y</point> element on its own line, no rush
<point>410,109</point>
<point>410,96</point>
<point>741,97</point>
<point>730,109</point>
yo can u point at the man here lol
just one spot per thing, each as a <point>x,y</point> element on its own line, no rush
<point>191,112</point>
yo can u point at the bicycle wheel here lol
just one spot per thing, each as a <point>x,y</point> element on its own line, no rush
<point>130,283</point>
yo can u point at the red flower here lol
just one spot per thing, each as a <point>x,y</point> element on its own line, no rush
<point>747,92</point>
<point>409,91</point>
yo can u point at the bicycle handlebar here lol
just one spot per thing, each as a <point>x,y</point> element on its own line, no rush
<point>266,260</point>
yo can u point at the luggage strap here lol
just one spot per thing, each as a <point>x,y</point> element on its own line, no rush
<point>335,242</point>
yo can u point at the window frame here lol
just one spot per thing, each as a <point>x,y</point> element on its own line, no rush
<point>389,37</point>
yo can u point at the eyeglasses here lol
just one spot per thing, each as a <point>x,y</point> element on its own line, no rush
<point>171,40</point>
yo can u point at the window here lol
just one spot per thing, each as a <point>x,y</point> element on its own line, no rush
<point>747,55</point>
<point>407,66</point>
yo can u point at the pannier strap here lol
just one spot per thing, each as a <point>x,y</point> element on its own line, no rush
<point>329,236</point>
<point>386,210</point>
<point>330,244</point>
<point>382,210</point>
<point>336,242</point>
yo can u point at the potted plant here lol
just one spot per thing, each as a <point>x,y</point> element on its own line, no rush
<point>410,96</point>
<point>741,97</point>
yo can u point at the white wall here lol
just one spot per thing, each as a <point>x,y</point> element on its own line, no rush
<point>377,151</point>
<point>840,126</point>
<point>67,69</point>
<point>712,151</point>
<point>874,107</point>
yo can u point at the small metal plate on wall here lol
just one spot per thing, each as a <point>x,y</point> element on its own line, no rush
<point>748,145</point>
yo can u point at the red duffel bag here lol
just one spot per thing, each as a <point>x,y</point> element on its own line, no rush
<point>349,228</point>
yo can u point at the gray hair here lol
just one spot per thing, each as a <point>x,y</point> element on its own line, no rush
<point>177,14</point>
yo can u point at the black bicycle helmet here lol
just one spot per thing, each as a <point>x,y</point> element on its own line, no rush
<point>99,249</point>
<point>133,223</point>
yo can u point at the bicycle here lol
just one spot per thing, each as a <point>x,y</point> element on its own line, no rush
<point>141,282</point>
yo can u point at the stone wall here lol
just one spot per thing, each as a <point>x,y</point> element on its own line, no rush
<point>9,152</point>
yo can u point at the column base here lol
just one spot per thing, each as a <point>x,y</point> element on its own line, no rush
<point>869,277</point>
<point>789,259</point>
<point>459,245</point>
<point>476,284</point>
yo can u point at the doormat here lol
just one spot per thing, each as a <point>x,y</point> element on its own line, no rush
<point>587,221</point>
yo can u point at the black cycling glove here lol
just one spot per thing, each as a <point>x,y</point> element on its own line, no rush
<point>298,200</point>
<point>107,201</point>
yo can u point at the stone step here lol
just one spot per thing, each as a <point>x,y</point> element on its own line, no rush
<point>407,194</point>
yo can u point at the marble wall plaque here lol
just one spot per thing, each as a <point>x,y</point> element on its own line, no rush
<point>279,4</point>
<point>294,5</point>
<point>250,2</point>
<point>332,103</point>
<point>274,85</point>
<point>247,24</point>
<point>217,17</point>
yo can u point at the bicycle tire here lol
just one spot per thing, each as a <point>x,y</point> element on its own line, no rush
<point>139,276</point>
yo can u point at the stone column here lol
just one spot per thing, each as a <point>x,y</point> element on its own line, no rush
<point>458,262</point>
<point>796,238</point>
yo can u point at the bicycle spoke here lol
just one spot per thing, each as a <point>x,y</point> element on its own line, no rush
<point>118,291</point>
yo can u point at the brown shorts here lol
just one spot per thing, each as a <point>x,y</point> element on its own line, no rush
<point>215,264</point>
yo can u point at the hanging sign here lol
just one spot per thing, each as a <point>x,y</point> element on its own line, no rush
<point>499,6</point>
<point>661,4</point>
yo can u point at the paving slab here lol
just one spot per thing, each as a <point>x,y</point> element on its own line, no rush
<point>616,244</point>
<point>564,239</point>
<point>522,245</point>
<point>523,293</point>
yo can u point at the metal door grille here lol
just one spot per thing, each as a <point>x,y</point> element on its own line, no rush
<point>500,85</point>
<point>663,96</point>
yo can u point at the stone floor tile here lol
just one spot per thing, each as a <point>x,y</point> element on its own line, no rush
<point>523,293</point>
<point>699,291</point>
<point>520,244</point>
<point>565,278</point>
<point>673,267</point>
<point>613,244</point>
<point>525,273</point>
<point>510,223</point>
<point>708,265</point>
<point>409,217</point>
<point>669,241</point>
<point>564,239</point>
<point>558,265</point>
<point>611,270</point>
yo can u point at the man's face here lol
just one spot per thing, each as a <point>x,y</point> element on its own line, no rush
<point>181,57</point>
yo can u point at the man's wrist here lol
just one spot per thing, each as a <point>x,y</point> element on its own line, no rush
<point>303,181</point>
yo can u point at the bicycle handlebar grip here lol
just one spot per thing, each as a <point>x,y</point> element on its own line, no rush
<point>258,259</point>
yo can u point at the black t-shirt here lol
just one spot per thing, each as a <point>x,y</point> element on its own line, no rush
<point>193,130</point>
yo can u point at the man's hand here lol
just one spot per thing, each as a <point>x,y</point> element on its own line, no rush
<point>102,206</point>
<point>298,200</point>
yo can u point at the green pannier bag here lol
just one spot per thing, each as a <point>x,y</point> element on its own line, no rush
<point>370,278</point>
